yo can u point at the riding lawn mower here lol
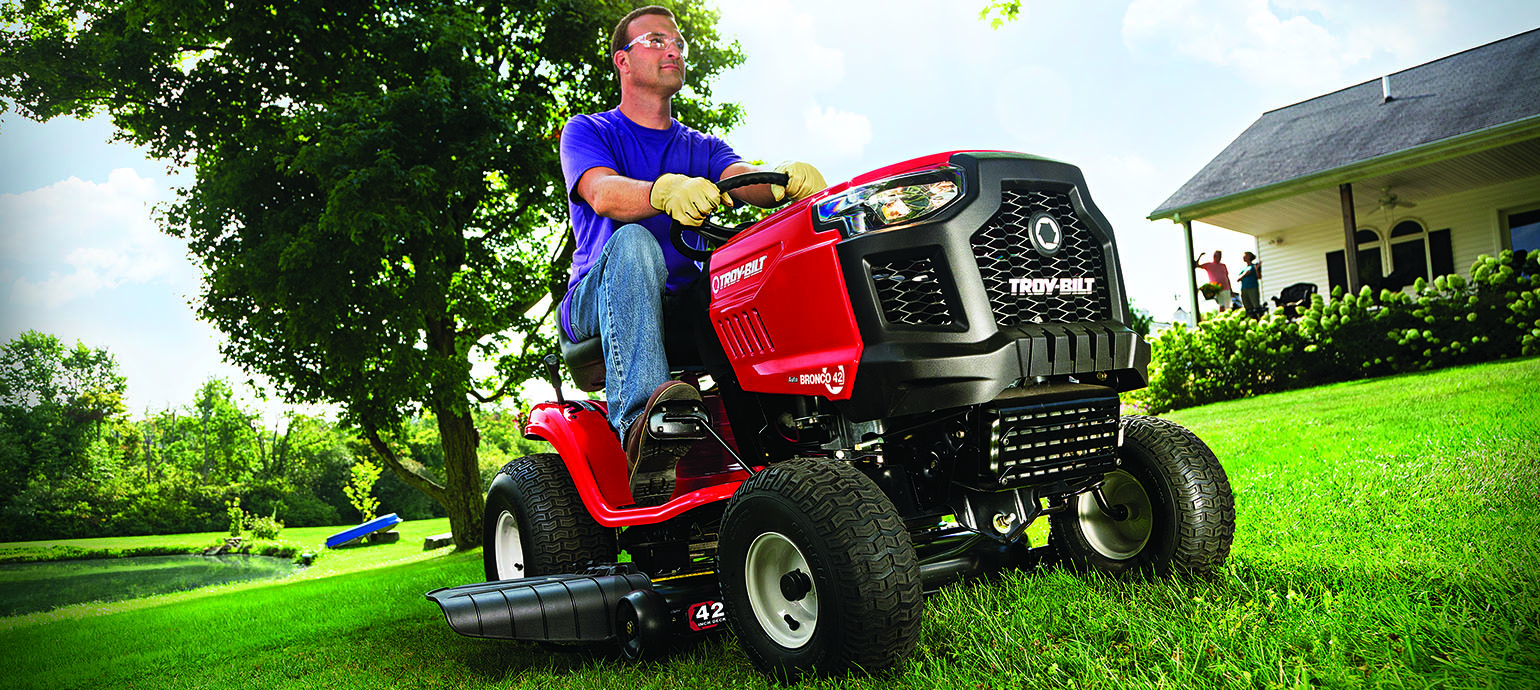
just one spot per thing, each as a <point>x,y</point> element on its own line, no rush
<point>899,376</point>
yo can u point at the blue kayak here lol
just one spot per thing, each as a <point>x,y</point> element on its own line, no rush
<point>354,533</point>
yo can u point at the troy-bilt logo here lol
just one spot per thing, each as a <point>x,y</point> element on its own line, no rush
<point>725,279</point>
<point>1042,287</point>
<point>832,381</point>
<point>706,615</point>
<point>1045,233</point>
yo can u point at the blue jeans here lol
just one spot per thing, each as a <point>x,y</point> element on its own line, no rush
<point>620,300</point>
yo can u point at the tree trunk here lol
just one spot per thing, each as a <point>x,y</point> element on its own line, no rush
<point>464,498</point>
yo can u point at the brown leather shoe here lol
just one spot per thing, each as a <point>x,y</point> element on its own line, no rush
<point>650,460</point>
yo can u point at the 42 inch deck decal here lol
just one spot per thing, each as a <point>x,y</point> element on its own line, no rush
<point>707,615</point>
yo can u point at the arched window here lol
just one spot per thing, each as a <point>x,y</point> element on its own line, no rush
<point>1371,265</point>
<point>1408,254</point>
<point>1523,230</point>
<point>1412,252</point>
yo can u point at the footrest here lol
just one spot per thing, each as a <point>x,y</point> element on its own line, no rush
<point>559,608</point>
<point>679,420</point>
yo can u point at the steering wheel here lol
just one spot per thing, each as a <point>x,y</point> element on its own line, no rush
<point>715,233</point>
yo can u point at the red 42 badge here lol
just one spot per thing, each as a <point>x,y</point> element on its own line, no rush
<point>707,615</point>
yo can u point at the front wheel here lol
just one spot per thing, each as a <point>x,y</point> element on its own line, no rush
<point>818,572</point>
<point>535,523</point>
<point>1172,509</point>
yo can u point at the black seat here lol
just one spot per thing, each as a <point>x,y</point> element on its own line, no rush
<point>585,358</point>
<point>1294,297</point>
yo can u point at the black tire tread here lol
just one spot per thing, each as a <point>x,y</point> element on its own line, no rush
<point>1200,489</point>
<point>872,558</point>
<point>560,536</point>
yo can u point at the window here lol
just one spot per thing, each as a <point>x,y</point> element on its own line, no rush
<point>1370,265</point>
<point>1523,230</point>
<point>1413,253</point>
<point>1408,255</point>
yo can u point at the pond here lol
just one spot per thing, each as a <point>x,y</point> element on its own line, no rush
<point>32,587</point>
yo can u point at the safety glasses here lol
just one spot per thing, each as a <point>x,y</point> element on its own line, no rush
<point>658,41</point>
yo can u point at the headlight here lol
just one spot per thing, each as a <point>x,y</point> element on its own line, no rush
<point>894,201</point>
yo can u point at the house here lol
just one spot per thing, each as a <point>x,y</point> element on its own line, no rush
<point>1414,174</point>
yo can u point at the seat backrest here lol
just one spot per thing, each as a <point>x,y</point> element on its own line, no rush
<point>585,361</point>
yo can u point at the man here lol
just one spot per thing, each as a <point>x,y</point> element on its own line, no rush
<point>1219,275</point>
<point>1251,285</point>
<point>629,171</point>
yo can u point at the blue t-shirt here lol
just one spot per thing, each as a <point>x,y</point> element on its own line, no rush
<point>611,140</point>
<point>1251,277</point>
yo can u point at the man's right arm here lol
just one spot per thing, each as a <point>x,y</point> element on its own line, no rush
<point>616,196</point>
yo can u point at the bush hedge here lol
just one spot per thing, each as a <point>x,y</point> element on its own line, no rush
<point>1494,314</point>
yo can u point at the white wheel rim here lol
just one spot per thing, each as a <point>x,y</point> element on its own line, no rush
<point>789,623</point>
<point>509,546</point>
<point>1117,539</point>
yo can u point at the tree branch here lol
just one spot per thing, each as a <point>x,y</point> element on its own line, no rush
<point>412,477</point>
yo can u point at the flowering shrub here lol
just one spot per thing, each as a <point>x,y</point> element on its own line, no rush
<point>1450,321</point>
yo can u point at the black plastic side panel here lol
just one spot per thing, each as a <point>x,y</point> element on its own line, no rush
<point>560,608</point>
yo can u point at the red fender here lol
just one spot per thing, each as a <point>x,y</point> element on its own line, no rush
<point>597,463</point>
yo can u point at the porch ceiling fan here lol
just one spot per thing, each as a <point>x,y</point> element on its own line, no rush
<point>1390,200</point>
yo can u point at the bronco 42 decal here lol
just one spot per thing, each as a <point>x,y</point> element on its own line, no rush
<point>832,381</point>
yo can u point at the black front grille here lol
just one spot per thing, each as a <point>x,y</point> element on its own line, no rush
<point>910,291</point>
<point>1008,263</point>
<point>1054,441</point>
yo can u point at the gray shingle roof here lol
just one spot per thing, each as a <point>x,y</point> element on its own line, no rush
<point>1491,85</point>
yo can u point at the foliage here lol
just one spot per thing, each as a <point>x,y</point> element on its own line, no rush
<point>359,487</point>
<point>999,12</point>
<point>236,516</point>
<point>1451,321</point>
<point>263,526</point>
<point>1142,321</point>
<point>213,465</point>
<point>54,402</point>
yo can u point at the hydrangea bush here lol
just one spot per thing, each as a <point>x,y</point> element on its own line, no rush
<point>1494,314</point>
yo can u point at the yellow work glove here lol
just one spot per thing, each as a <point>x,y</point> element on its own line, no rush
<point>805,181</point>
<point>686,199</point>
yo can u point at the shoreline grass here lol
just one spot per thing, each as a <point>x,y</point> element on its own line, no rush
<point>329,563</point>
<point>1388,535</point>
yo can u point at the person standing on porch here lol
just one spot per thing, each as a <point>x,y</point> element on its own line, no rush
<point>1218,275</point>
<point>1251,285</point>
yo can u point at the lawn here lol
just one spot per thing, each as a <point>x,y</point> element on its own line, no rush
<point>1386,537</point>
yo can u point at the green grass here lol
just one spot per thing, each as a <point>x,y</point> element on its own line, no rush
<point>1388,536</point>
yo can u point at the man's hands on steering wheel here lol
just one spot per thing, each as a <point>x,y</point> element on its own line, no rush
<point>802,181</point>
<point>714,232</point>
<point>688,200</point>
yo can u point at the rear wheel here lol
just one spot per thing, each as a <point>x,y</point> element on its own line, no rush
<point>1172,507</point>
<point>818,572</point>
<point>535,523</point>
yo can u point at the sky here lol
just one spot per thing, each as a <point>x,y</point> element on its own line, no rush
<point>1140,95</point>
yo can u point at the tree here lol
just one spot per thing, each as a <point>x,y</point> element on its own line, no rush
<point>378,202</point>
<point>53,401</point>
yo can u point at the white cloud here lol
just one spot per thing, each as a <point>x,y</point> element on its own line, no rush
<point>1300,45</point>
<point>786,58</point>
<point>72,239</point>
<point>835,132</point>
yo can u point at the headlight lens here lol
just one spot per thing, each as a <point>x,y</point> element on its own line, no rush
<point>886,203</point>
